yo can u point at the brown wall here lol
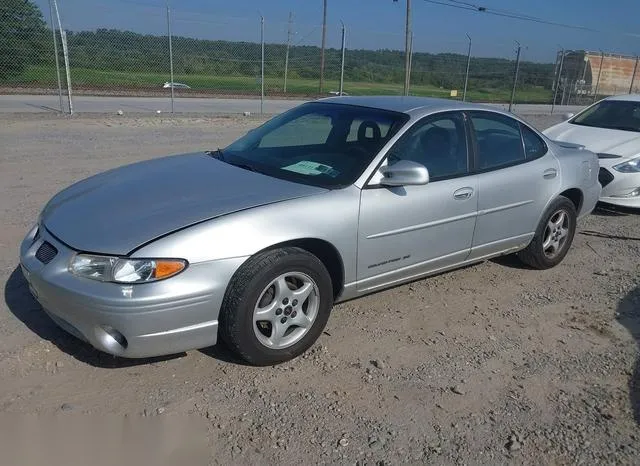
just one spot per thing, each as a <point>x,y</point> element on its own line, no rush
<point>616,74</point>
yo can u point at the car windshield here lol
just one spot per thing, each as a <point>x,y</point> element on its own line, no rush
<point>320,144</point>
<point>611,114</point>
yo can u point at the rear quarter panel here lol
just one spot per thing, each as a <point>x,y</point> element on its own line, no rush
<point>579,170</point>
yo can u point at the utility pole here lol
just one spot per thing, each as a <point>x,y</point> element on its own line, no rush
<point>515,78</point>
<point>558,79</point>
<point>407,50</point>
<point>170,53</point>
<point>55,51</point>
<point>286,57</point>
<point>324,44</point>
<point>466,76</point>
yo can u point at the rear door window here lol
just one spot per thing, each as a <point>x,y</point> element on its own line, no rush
<point>498,139</point>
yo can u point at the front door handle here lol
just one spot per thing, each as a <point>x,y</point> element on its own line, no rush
<point>462,194</point>
<point>550,173</point>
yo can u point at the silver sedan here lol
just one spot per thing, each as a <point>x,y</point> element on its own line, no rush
<point>335,199</point>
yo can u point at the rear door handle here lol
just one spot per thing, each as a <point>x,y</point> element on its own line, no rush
<point>550,173</point>
<point>462,194</point>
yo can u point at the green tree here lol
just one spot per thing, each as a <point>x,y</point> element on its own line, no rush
<point>23,36</point>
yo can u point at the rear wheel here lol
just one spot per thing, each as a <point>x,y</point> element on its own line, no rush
<point>553,236</point>
<point>276,306</point>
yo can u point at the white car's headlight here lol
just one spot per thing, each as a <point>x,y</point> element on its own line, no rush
<point>117,270</point>
<point>630,166</point>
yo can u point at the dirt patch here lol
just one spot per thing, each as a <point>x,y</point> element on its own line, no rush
<point>491,364</point>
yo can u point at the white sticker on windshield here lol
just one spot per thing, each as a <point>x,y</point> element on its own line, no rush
<point>306,167</point>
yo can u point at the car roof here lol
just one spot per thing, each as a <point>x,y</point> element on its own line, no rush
<point>411,105</point>
<point>626,97</point>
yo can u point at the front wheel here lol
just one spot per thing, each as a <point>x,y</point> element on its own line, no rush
<point>276,306</point>
<point>553,236</point>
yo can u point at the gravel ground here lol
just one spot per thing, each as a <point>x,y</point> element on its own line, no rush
<point>491,364</point>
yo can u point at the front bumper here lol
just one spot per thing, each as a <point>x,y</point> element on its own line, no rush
<point>617,187</point>
<point>154,319</point>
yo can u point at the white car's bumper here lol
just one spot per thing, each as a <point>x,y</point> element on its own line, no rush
<point>622,189</point>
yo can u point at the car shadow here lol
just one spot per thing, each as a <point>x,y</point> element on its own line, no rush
<point>222,353</point>
<point>628,315</point>
<point>511,261</point>
<point>608,210</point>
<point>22,305</point>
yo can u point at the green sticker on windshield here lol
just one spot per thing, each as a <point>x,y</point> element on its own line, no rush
<point>306,167</point>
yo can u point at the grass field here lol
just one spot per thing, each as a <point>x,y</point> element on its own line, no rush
<point>82,78</point>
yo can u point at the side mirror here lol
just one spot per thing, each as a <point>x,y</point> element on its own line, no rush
<point>568,116</point>
<point>404,173</point>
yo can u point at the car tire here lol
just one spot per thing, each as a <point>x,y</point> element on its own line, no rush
<point>553,237</point>
<point>261,319</point>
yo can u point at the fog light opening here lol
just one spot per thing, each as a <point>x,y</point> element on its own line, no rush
<point>117,336</point>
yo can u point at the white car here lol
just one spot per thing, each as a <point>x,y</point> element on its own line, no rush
<point>168,85</point>
<point>610,128</point>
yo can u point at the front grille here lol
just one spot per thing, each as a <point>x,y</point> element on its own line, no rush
<point>604,177</point>
<point>46,252</point>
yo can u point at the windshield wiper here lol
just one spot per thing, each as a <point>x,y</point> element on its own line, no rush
<point>625,128</point>
<point>216,154</point>
<point>243,166</point>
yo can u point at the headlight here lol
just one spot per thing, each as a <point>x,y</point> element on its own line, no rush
<point>117,270</point>
<point>631,166</point>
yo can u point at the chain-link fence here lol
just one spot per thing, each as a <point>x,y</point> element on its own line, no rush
<point>582,77</point>
<point>178,53</point>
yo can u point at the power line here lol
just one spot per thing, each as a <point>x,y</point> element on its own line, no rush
<point>519,16</point>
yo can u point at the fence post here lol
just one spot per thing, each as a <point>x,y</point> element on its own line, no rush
<point>55,51</point>
<point>410,64</point>
<point>262,65</point>
<point>324,45</point>
<point>466,76</point>
<point>595,94</point>
<point>171,85</point>
<point>633,77</point>
<point>65,52</point>
<point>286,57</point>
<point>558,79</point>
<point>515,78</point>
<point>344,45</point>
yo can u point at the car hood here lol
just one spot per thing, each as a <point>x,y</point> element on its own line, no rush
<point>599,140</point>
<point>119,210</point>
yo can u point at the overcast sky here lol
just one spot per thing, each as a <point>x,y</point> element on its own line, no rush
<point>375,24</point>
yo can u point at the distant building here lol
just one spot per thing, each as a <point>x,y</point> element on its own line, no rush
<point>586,73</point>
